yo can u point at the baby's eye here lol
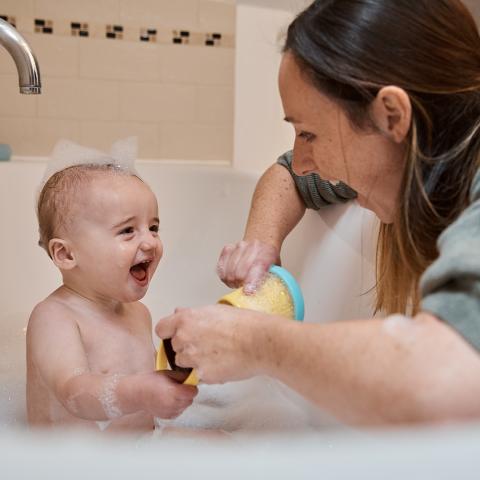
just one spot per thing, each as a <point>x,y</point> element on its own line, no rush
<point>126,231</point>
<point>154,228</point>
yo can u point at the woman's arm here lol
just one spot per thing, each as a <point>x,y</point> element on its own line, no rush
<point>397,370</point>
<point>278,204</point>
<point>275,210</point>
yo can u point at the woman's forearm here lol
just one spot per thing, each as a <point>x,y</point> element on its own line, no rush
<point>396,370</point>
<point>276,208</point>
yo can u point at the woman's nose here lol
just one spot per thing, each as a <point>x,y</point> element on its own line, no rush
<point>302,163</point>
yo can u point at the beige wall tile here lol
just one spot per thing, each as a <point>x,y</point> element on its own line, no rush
<point>99,11</point>
<point>119,60</point>
<point>23,8</point>
<point>196,142</point>
<point>79,99</point>
<point>102,134</point>
<point>36,136</point>
<point>216,17</point>
<point>166,13</point>
<point>7,65</point>
<point>12,102</point>
<point>201,65</point>
<point>56,55</point>
<point>154,102</point>
<point>214,105</point>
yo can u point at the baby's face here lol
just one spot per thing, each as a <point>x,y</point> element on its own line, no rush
<point>114,234</point>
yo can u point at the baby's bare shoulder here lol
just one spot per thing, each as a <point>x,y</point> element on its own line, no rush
<point>141,313</point>
<point>50,311</point>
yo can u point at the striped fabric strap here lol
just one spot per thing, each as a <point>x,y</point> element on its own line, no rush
<point>316,192</point>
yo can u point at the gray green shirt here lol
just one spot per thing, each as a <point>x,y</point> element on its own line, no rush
<point>316,192</point>
<point>450,287</point>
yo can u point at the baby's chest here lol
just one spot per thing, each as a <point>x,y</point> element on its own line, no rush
<point>116,350</point>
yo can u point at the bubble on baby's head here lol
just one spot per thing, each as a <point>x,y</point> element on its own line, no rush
<point>71,168</point>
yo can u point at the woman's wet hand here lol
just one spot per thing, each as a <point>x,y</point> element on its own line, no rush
<point>246,263</point>
<point>218,341</point>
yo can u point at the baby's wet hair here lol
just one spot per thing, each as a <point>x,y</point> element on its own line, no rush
<point>57,197</point>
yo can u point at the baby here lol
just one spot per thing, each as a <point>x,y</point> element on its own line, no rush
<point>90,355</point>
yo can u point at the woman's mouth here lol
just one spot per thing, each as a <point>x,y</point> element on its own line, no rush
<point>140,272</point>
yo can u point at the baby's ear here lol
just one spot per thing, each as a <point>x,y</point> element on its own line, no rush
<point>61,254</point>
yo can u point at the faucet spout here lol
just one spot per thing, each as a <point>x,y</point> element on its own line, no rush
<point>27,65</point>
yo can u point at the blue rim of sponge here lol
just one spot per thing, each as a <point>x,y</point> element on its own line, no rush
<point>293,288</point>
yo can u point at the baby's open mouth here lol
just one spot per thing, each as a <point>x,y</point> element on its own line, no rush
<point>140,271</point>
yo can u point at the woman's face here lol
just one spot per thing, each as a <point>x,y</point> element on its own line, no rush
<point>326,143</point>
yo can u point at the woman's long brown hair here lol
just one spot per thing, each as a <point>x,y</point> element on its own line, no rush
<point>349,50</point>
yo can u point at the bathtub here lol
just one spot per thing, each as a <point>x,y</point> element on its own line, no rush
<point>201,209</point>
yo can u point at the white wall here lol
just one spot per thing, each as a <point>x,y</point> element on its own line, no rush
<point>260,134</point>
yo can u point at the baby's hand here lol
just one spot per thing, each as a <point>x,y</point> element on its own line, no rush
<point>160,396</point>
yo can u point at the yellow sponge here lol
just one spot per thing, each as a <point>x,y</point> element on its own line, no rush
<point>278,295</point>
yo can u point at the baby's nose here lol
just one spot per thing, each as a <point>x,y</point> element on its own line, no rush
<point>147,245</point>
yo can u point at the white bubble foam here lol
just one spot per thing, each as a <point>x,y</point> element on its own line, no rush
<point>108,397</point>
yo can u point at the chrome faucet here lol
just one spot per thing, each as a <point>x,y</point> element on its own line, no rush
<point>27,65</point>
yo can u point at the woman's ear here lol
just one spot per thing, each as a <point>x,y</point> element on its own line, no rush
<point>391,113</point>
<point>61,254</point>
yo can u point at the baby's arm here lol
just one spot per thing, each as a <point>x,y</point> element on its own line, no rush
<point>55,347</point>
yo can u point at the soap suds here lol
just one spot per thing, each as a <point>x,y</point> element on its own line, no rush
<point>108,397</point>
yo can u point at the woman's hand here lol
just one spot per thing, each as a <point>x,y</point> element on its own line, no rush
<point>221,342</point>
<point>246,263</point>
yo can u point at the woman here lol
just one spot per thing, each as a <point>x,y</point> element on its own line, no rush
<point>384,97</point>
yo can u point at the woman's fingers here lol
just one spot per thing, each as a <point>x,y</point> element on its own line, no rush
<point>167,326</point>
<point>246,263</point>
<point>255,277</point>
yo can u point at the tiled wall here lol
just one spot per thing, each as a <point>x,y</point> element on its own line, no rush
<point>167,77</point>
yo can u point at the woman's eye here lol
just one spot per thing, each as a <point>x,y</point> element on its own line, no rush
<point>307,136</point>
<point>126,231</point>
<point>154,228</point>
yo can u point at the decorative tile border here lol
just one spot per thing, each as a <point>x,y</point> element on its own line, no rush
<point>150,33</point>
<point>10,19</point>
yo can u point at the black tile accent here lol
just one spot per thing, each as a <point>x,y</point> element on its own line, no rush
<point>11,20</point>
<point>184,33</point>
<point>144,38</point>
<point>117,28</point>
<point>177,40</point>
<point>210,43</point>
<point>47,29</point>
<point>75,25</point>
<point>152,31</point>
<point>216,36</point>
<point>39,22</point>
<point>110,35</point>
<point>83,33</point>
